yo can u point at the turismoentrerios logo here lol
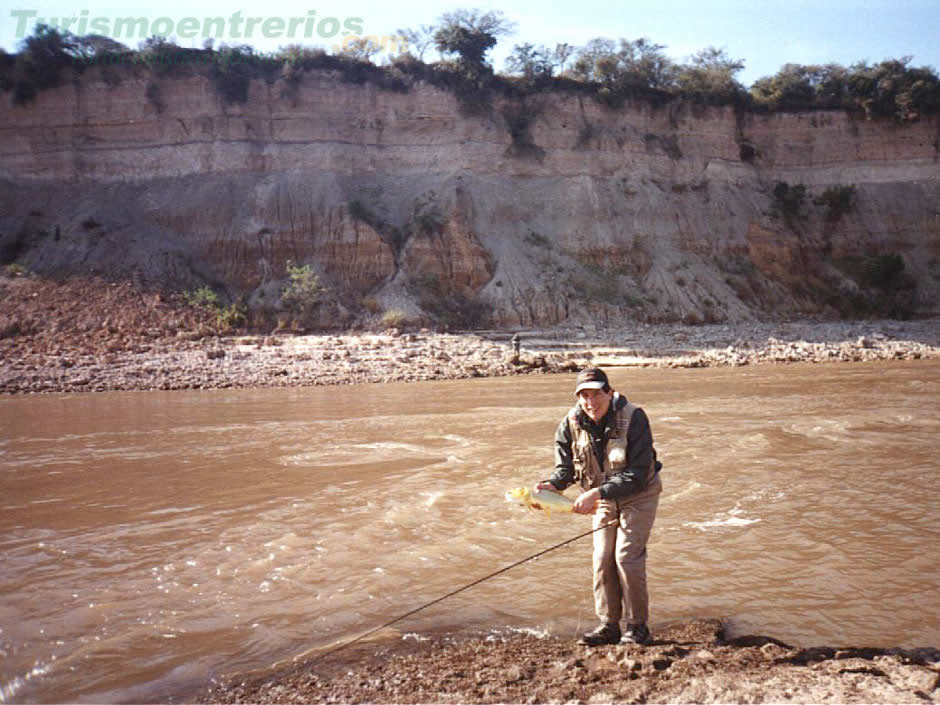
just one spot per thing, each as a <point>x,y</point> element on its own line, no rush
<point>236,26</point>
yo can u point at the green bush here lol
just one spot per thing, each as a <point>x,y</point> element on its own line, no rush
<point>165,58</point>
<point>894,89</point>
<point>155,97</point>
<point>40,62</point>
<point>203,297</point>
<point>838,200</point>
<point>231,73</point>
<point>890,88</point>
<point>886,288</point>
<point>232,316</point>
<point>303,291</point>
<point>788,202</point>
<point>710,77</point>
<point>394,318</point>
<point>885,271</point>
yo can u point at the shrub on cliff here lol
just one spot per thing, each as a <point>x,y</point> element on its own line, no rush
<point>225,318</point>
<point>470,34</point>
<point>710,77</point>
<point>7,62</point>
<point>886,272</point>
<point>302,293</point>
<point>165,58</point>
<point>838,200</point>
<point>534,63</point>
<point>788,202</point>
<point>232,70</point>
<point>294,60</point>
<point>890,88</point>
<point>203,297</point>
<point>634,67</point>
<point>797,87</point>
<point>40,62</point>
<point>894,89</point>
<point>395,318</point>
<point>884,287</point>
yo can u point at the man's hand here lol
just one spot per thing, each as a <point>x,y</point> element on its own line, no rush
<point>586,502</point>
<point>545,486</point>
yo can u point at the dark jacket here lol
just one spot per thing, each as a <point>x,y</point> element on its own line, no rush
<point>640,451</point>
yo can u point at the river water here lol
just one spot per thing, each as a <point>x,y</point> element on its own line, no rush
<point>152,541</point>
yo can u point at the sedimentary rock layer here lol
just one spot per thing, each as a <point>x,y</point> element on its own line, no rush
<point>535,210</point>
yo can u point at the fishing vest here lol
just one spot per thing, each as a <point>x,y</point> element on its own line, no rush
<point>587,471</point>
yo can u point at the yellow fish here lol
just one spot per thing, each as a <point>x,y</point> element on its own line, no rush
<point>547,500</point>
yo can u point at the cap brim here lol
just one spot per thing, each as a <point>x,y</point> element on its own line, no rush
<point>589,385</point>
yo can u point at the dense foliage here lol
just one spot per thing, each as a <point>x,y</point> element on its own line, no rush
<point>610,70</point>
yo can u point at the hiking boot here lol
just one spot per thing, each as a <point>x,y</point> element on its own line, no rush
<point>604,634</point>
<point>636,634</point>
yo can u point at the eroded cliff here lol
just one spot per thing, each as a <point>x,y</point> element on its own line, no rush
<point>535,210</point>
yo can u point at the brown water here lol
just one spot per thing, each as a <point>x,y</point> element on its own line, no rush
<point>153,540</point>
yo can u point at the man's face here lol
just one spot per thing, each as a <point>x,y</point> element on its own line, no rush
<point>595,402</point>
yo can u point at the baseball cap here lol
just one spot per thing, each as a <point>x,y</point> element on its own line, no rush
<point>591,378</point>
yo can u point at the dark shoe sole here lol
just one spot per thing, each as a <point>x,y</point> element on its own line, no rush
<point>597,642</point>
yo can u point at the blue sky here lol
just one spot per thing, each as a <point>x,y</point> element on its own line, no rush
<point>764,33</point>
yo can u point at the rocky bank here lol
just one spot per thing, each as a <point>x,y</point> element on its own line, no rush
<point>690,662</point>
<point>89,334</point>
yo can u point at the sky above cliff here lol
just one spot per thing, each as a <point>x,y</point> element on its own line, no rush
<point>765,34</point>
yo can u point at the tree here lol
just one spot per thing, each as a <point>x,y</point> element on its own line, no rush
<point>418,39</point>
<point>892,88</point>
<point>636,63</point>
<point>588,56</point>
<point>561,54</point>
<point>92,45</point>
<point>530,61</point>
<point>44,54</point>
<point>361,48</point>
<point>643,63</point>
<point>831,84</point>
<point>470,34</point>
<point>710,72</point>
<point>791,87</point>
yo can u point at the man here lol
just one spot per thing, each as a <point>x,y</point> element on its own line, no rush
<point>605,444</point>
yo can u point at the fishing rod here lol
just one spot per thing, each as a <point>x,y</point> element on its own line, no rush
<point>458,591</point>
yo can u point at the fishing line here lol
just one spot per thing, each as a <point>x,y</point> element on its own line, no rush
<point>458,591</point>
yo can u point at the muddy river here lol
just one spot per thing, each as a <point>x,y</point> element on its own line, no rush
<point>151,541</point>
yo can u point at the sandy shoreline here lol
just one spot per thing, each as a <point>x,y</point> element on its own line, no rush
<point>83,336</point>
<point>689,662</point>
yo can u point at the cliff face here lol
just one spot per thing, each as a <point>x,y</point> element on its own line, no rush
<point>535,211</point>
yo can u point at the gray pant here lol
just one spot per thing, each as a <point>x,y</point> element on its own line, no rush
<point>620,555</point>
